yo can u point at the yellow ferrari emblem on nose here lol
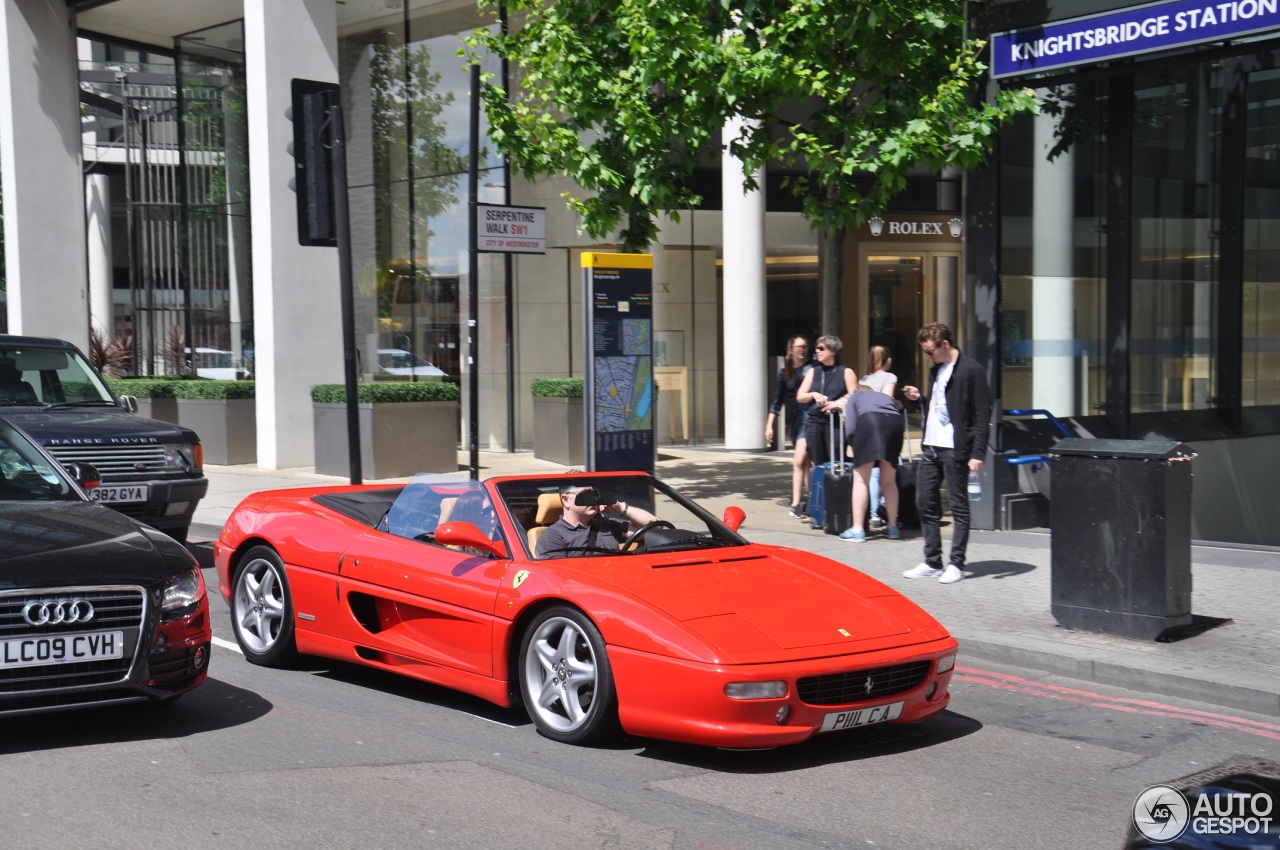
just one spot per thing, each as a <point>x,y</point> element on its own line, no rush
<point>520,577</point>
<point>843,632</point>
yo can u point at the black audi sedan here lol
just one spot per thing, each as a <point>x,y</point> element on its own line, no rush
<point>95,608</point>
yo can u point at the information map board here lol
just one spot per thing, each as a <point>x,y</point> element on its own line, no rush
<point>619,385</point>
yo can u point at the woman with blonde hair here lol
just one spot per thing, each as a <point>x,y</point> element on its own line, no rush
<point>796,366</point>
<point>879,378</point>
<point>875,429</point>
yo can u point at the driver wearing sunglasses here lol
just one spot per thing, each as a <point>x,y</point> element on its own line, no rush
<point>585,517</point>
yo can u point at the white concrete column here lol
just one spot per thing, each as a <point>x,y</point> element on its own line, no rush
<point>40,161</point>
<point>744,358</point>
<point>97,200</point>
<point>239,277</point>
<point>296,304</point>
<point>1052,285</point>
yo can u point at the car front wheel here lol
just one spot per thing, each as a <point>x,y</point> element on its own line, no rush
<point>566,679</point>
<point>262,608</point>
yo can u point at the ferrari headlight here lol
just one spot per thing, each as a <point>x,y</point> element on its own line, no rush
<point>756,690</point>
<point>183,591</point>
<point>180,457</point>
<point>947,663</point>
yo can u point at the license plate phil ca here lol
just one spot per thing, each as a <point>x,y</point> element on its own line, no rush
<point>861,716</point>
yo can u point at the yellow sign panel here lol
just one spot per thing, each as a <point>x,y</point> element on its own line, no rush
<point>596,260</point>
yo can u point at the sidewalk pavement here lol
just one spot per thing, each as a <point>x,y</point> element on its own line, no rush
<point>1000,613</point>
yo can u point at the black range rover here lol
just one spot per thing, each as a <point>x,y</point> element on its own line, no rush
<point>151,471</point>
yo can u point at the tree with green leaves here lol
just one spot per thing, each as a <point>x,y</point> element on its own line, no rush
<point>627,97</point>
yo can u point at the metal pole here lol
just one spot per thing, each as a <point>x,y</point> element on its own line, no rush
<point>473,275</point>
<point>507,266</point>
<point>342,224</point>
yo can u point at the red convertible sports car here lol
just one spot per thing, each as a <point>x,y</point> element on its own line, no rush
<point>662,621</point>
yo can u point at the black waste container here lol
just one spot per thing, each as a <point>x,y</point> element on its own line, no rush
<point>1120,521</point>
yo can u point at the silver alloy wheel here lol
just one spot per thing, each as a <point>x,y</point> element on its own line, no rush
<point>561,676</point>
<point>259,605</point>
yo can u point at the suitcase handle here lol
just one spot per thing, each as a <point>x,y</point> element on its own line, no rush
<point>906,435</point>
<point>836,424</point>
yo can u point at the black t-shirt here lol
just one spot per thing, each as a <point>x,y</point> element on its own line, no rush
<point>563,540</point>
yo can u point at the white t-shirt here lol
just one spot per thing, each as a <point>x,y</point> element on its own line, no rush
<point>938,430</point>
<point>877,380</point>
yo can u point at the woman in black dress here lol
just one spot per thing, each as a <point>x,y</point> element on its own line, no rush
<point>796,365</point>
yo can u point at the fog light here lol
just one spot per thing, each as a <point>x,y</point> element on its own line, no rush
<point>931,690</point>
<point>755,690</point>
<point>198,660</point>
<point>947,663</point>
<point>783,715</point>
<point>176,508</point>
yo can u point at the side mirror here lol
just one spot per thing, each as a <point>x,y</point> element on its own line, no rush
<point>466,534</point>
<point>128,403</point>
<point>84,474</point>
<point>733,517</point>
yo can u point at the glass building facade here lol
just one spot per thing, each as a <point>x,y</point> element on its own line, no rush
<point>1136,281</point>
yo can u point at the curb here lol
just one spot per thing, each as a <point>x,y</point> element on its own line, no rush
<point>1225,695</point>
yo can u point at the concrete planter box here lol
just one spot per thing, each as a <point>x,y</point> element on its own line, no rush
<point>396,440</point>
<point>228,427</point>
<point>558,427</point>
<point>164,409</point>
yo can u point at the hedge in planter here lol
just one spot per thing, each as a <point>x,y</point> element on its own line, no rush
<point>155,395</point>
<point>405,428</point>
<point>558,420</point>
<point>556,387</point>
<point>397,392</point>
<point>224,414</point>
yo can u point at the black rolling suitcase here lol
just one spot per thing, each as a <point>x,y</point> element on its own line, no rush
<point>908,513</point>
<point>831,490</point>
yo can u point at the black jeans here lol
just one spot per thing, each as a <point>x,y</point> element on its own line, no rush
<point>938,465</point>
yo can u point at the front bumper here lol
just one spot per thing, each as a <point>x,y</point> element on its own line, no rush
<point>676,700</point>
<point>161,510</point>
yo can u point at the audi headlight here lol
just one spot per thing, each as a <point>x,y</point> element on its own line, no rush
<point>183,592</point>
<point>181,457</point>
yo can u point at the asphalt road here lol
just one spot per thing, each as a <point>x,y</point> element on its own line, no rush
<point>330,755</point>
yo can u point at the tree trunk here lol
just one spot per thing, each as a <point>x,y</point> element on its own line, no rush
<point>830,280</point>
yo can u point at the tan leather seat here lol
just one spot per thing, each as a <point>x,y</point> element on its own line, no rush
<point>549,510</point>
<point>446,509</point>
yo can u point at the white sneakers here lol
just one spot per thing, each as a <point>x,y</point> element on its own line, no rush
<point>950,575</point>
<point>922,571</point>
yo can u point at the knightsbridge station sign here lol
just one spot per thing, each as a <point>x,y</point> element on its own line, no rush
<point>1138,29</point>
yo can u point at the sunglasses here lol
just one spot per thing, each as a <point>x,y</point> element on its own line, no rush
<point>821,348</point>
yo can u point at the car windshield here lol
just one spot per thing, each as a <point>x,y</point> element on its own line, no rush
<point>679,524</point>
<point>49,376</point>
<point>429,501</point>
<point>26,474</point>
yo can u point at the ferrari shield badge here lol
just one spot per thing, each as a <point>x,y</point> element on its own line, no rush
<point>520,577</point>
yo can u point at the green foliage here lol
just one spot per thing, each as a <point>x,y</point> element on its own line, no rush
<point>143,387</point>
<point>628,96</point>
<point>556,387</point>
<point>396,392</point>
<point>208,389</point>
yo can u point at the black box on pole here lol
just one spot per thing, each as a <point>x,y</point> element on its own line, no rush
<point>1120,520</point>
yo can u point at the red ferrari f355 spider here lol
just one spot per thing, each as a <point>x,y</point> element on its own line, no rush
<point>639,612</point>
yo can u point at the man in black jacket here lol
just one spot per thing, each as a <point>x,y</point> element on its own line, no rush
<point>957,416</point>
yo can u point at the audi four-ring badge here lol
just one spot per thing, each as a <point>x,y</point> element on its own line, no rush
<point>95,607</point>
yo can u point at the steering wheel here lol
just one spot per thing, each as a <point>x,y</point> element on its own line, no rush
<point>648,526</point>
